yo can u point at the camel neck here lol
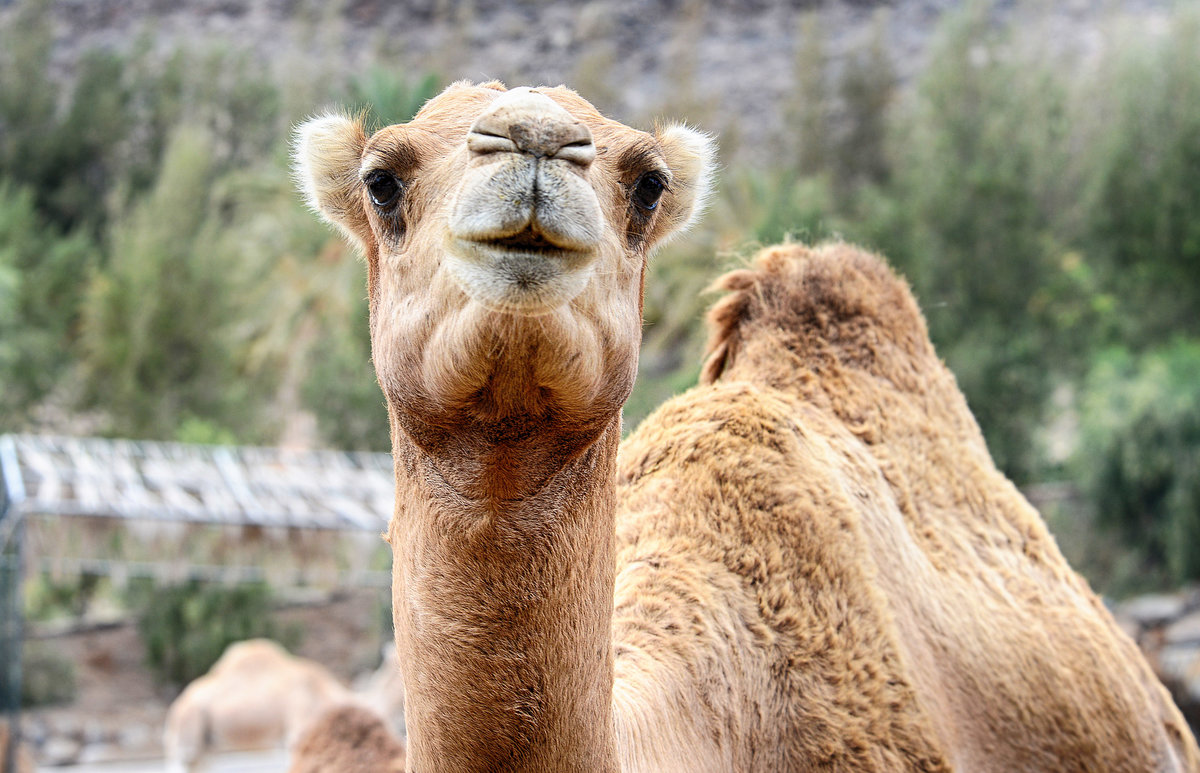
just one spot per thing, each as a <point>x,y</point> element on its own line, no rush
<point>503,615</point>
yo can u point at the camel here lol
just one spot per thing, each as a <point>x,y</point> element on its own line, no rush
<point>256,696</point>
<point>807,562</point>
<point>348,739</point>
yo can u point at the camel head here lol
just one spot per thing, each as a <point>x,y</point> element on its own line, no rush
<point>506,234</point>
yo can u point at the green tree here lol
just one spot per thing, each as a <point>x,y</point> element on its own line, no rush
<point>808,110</point>
<point>977,243</point>
<point>1143,181</point>
<point>866,90</point>
<point>41,287</point>
<point>156,342</point>
<point>67,154</point>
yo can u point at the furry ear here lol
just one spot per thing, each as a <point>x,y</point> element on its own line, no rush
<point>326,156</point>
<point>692,158</point>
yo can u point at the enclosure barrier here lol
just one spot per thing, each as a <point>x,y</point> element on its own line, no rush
<point>12,494</point>
<point>246,490</point>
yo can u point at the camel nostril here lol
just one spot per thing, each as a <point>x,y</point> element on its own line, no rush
<point>533,124</point>
<point>483,142</point>
<point>582,152</point>
<point>542,139</point>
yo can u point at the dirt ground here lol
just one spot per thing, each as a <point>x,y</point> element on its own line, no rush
<point>119,710</point>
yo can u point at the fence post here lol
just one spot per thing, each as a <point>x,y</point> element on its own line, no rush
<point>12,534</point>
<point>11,628</point>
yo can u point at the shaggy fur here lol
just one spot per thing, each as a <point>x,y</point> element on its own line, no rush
<point>256,696</point>
<point>808,563</point>
<point>819,558</point>
<point>347,739</point>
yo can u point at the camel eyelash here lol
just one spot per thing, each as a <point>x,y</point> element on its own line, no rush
<point>664,178</point>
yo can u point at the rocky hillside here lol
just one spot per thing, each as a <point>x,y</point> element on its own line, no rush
<point>635,58</point>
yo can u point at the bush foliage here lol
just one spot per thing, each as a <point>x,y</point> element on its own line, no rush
<point>1140,459</point>
<point>47,677</point>
<point>185,628</point>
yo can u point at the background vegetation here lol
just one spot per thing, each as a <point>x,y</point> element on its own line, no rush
<point>187,627</point>
<point>159,277</point>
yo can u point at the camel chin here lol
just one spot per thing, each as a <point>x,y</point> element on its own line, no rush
<point>525,282</point>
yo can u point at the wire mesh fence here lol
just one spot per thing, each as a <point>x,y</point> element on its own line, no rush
<point>173,513</point>
<point>11,625</point>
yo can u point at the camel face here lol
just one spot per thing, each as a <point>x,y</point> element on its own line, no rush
<point>506,235</point>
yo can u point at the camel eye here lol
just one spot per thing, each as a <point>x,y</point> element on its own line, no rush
<point>649,190</point>
<point>383,188</point>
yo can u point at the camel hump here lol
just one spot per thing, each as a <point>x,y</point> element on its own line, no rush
<point>833,299</point>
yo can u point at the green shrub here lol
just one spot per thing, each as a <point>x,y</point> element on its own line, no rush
<point>779,204</point>
<point>41,283</point>
<point>673,335</point>
<point>392,98</point>
<point>203,432</point>
<point>1140,452</point>
<point>156,342</point>
<point>185,628</point>
<point>341,388</point>
<point>47,676</point>
<point>976,150</point>
<point>48,596</point>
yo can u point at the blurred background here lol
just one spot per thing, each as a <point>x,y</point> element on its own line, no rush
<point>1032,168</point>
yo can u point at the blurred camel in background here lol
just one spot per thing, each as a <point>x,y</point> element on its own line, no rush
<point>258,696</point>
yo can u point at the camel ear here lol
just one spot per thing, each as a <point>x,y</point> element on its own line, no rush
<point>326,157</point>
<point>692,158</point>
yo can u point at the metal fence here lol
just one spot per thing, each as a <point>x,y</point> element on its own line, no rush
<point>127,482</point>
<point>12,528</point>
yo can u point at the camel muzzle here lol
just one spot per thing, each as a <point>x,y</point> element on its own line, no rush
<point>525,225</point>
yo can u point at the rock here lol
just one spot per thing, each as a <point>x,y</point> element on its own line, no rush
<point>137,736</point>
<point>1184,630</point>
<point>99,753</point>
<point>1153,610</point>
<point>61,750</point>
<point>1177,664</point>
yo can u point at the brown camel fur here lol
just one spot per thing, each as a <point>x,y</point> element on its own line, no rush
<point>348,739</point>
<point>809,564</point>
<point>828,499</point>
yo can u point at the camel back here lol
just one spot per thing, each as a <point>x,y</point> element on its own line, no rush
<point>907,607</point>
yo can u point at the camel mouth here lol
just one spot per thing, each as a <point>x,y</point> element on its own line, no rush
<point>525,273</point>
<point>527,241</point>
